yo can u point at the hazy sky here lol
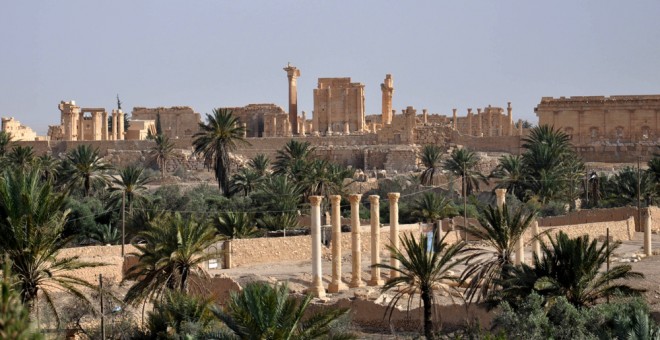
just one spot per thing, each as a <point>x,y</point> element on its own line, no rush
<point>207,54</point>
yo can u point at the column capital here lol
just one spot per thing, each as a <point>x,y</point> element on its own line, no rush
<point>374,199</point>
<point>315,200</point>
<point>394,196</point>
<point>335,199</point>
<point>354,198</point>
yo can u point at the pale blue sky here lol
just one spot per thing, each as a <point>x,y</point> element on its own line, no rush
<point>207,54</point>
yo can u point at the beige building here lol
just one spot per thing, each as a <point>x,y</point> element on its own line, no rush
<point>175,122</point>
<point>140,129</point>
<point>263,120</point>
<point>598,118</point>
<point>18,131</point>
<point>83,124</point>
<point>338,106</point>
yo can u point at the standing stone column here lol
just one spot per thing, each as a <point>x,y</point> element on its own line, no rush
<point>113,134</point>
<point>104,126</point>
<point>387,89</point>
<point>81,126</point>
<point>648,225</point>
<point>292,74</point>
<point>469,119</point>
<point>501,197</point>
<point>356,242</point>
<point>455,117</point>
<point>302,124</point>
<point>536,243</point>
<point>509,130</point>
<point>336,285</point>
<point>316,288</point>
<point>480,124</point>
<point>394,229</point>
<point>375,241</point>
<point>120,124</point>
<point>520,127</point>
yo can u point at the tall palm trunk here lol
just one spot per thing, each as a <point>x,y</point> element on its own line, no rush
<point>428,305</point>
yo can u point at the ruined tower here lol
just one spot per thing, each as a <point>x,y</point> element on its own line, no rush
<point>293,73</point>
<point>387,87</point>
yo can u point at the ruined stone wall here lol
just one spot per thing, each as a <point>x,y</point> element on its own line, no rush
<point>621,230</point>
<point>586,119</point>
<point>253,116</point>
<point>509,144</point>
<point>176,122</point>
<point>338,101</point>
<point>598,216</point>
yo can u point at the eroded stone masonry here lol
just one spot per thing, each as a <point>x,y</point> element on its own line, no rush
<point>607,129</point>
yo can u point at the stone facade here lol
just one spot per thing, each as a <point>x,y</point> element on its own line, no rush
<point>262,120</point>
<point>18,131</point>
<point>176,122</point>
<point>338,106</point>
<point>141,129</point>
<point>76,125</point>
<point>621,119</point>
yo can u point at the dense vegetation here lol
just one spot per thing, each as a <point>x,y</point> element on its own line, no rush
<point>49,203</point>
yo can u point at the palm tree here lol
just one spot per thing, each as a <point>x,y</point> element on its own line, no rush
<point>422,270</point>
<point>261,311</point>
<point>291,159</point>
<point>21,157</point>
<point>14,317</point>
<point>48,166</point>
<point>462,164</point>
<point>179,314</point>
<point>510,173</point>
<point>220,135</point>
<point>5,139</point>
<point>260,163</point>
<point>31,223</point>
<point>571,267</point>
<point>161,152</point>
<point>324,178</point>
<point>84,167</point>
<point>623,188</point>
<point>552,168</point>
<point>129,185</point>
<point>174,250</point>
<point>245,180</point>
<point>432,207</point>
<point>431,159</point>
<point>500,232</point>
<point>235,225</point>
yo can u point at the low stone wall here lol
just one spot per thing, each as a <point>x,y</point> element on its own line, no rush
<point>622,230</point>
<point>299,248</point>
<point>602,215</point>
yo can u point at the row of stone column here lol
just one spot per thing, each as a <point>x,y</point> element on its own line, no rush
<point>317,289</point>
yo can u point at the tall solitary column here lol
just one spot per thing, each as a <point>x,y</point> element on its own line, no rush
<point>509,109</point>
<point>648,225</point>
<point>455,117</point>
<point>336,285</point>
<point>316,288</point>
<point>375,241</point>
<point>356,242</point>
<point>394,229</point>
<point>293,73</point>
<point>387,89</point>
